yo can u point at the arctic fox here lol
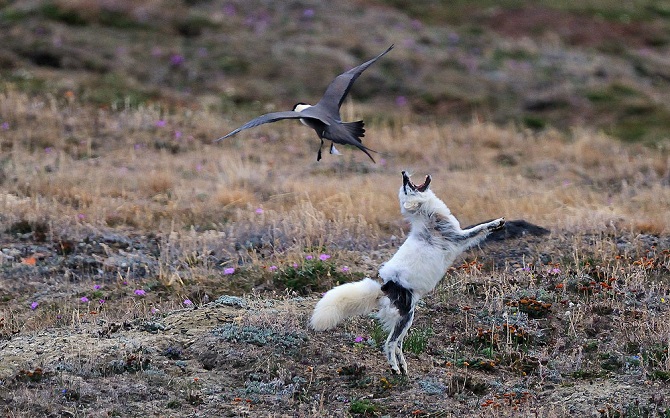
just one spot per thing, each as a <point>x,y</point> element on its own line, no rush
<point>434,242</point>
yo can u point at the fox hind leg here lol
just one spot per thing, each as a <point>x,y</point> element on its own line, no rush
<point>402,302</point>
<point>393,346</point>
<point>399,354</point>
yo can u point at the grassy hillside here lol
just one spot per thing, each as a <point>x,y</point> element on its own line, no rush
<point>599,64</point>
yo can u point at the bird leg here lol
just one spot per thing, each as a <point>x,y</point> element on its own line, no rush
<point>318,154</point>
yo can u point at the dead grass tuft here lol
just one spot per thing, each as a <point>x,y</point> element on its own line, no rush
<point>235,198</point>
<point>156,183</point>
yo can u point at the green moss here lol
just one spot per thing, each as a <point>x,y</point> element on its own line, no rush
<point>312,276</point>
<point>610,361</point>
<point>119,20</point>
<point>534,122</point>
<point>113,88</point>
<point>194,24</point>
<point>417,340</point>
<point>25,82</point>
<point>55,12</point>
<point>378,334</point>
<point>233,65</point>
<point>660,375</point>
<point>591,346</point>
<point>502,55</point>
<point>364,407</point>
<point>11,15</point>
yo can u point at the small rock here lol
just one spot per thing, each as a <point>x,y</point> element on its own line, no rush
<point>231,301</point>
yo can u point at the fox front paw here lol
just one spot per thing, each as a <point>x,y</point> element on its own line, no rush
<point>497,224</point>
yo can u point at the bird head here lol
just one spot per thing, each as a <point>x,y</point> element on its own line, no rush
<point>299,107</point>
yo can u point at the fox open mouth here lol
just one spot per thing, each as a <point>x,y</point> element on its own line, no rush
<point>407,182</point>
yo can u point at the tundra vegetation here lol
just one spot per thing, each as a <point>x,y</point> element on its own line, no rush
<point>145,270</point>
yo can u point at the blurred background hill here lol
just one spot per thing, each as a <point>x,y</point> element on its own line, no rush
<point>597,63</point>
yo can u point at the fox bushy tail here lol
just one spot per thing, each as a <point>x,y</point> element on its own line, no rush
<point>344,301</point>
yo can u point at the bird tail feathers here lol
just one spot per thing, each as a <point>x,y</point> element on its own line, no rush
<point>344,301</point>
<point>355,128</point>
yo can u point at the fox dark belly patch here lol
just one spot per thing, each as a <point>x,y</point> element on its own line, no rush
<point>400,297</point>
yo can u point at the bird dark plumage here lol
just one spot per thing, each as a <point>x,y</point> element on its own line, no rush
<point>324,117</point>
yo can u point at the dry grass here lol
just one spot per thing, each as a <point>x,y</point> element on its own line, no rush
<point>190,209</point>
<point>129,170</point>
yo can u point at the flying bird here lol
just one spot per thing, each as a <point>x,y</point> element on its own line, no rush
<point>324,117</point>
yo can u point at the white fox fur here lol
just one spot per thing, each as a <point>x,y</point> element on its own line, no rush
<point>434,242</point>
<point>341,302</point>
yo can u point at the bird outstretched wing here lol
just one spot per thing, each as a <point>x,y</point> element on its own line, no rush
<point>339,88</point>
<point>267,118</point>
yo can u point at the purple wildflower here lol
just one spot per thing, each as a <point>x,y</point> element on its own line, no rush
<point>359,339</point>
<point>259,210</point>
<point>97,286</point>
<point>401,101</point>
<point>84,299</point>
<point>324,257</point>
<point>101,301</point>
<point>273,268</point>
<point>555,271</point>
<point>5,126</point>
<point>345,269</point>
<point>308,13</point>
<point>295,265</point>
<point>228,271</point>
<point>309,257</point>
<point>229,10</point>
<point>177,59</point>
<point>160,123</point>
<point>34,305</point>
<point>140,292</point>
<point>177,134</point>
<point>188,302</point>
<point>453,38</point>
